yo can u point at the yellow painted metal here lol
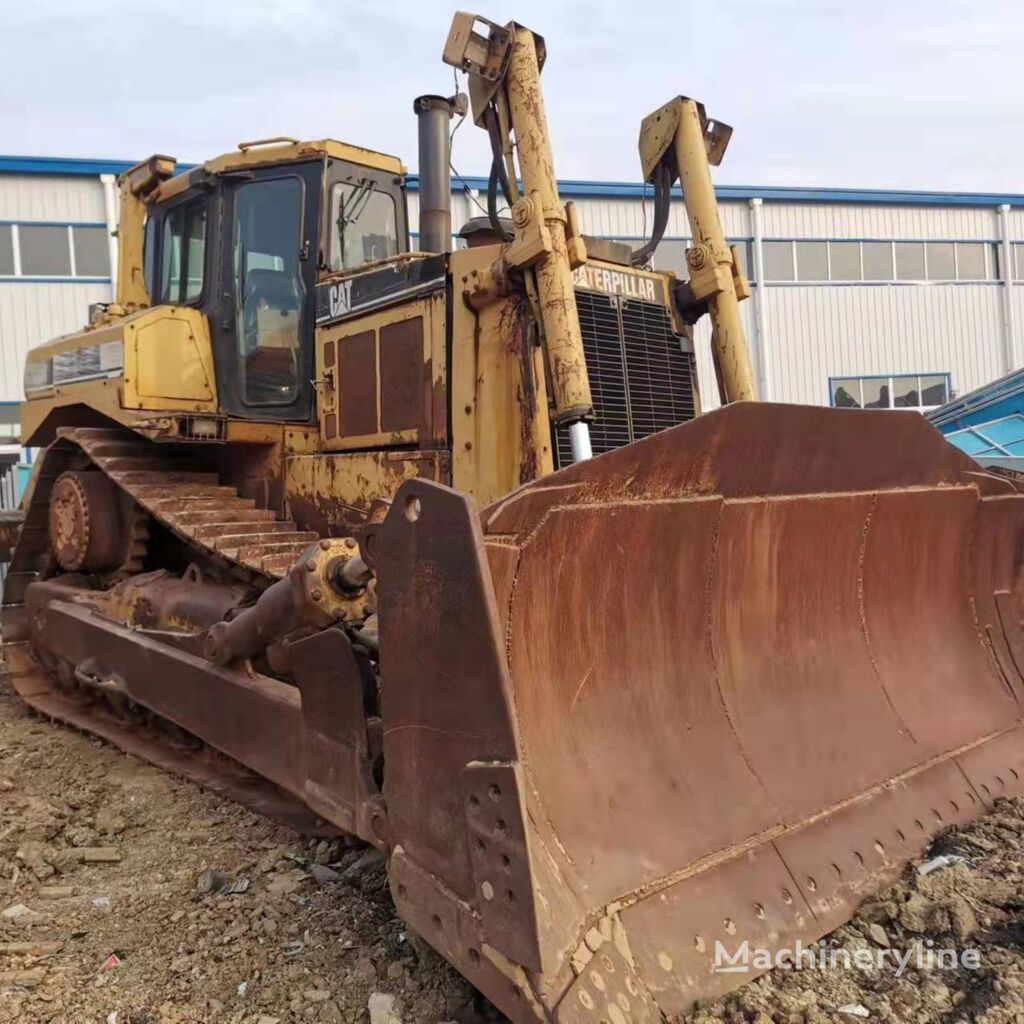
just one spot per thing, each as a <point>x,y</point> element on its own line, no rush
<point>553,272</point>
<point>333,491</point>
<point>710,260</point>
<point>168,366</point>
<point>138,185</point>
<point>168,361</point>
<point>501,431</point>
<point>285,152</point>
<point>100,396</point>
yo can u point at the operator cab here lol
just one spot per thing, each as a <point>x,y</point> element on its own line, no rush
<point>244,239</point>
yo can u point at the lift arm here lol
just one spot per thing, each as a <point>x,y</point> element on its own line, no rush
<point>680,137</point>
<point>504,71</point>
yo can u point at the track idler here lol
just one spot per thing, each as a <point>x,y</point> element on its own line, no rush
<point>330,583</point>
<point>92,525</point>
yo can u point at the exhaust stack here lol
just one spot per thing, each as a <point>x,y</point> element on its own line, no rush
<point>434,114</point>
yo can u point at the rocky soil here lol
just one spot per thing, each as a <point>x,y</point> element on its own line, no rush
<point>966,899</point>
<point>128,896</point>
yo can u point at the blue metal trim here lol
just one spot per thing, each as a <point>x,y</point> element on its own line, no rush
<point>772,193</point>
<point>577,188</point>
<point>989,402</point>
<point>62,165</point>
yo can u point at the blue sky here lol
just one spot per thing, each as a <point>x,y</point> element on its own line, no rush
<point>905,93</point>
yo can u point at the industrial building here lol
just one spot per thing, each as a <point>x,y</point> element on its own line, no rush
<point>868,298</point>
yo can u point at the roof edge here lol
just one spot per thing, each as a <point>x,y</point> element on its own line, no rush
<point>576,188</point>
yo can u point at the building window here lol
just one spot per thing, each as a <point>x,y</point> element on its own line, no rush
<point>6,250</point>
<point>671,255</point>
<point>1018,261</point>
<point>941,257</point>
<point>746,257</point>
<point>54,250</point>
<point>971,261</point>
<point>778,261</point>
<point>92,252</point>
<point>812,261</point>
<point>877,261</point>
<point>844,261</point>
<point>45,250</point>
<point>910,265</point>
<point>919,391</point>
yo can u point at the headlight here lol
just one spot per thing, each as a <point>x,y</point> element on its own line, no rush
<point>111,356</point>
<point>38,374</point>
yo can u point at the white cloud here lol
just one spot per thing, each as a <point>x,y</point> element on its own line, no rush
<point>918,93</point>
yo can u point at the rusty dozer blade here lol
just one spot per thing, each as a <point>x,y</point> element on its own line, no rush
<point>711,688</point>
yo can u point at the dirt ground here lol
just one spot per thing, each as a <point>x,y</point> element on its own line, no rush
<point>969,908</point>
<point>297,940</point>
<point>200,911</point>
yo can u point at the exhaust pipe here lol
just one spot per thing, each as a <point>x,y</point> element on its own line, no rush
<point>434,114</point>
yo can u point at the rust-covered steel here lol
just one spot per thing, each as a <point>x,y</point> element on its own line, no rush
<point>189,499</point>
<point>714,686</point>
<point>10,528</point>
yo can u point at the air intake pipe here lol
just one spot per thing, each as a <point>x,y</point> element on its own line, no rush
<point>434,114</point>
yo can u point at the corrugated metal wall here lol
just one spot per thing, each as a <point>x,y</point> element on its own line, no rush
<point>33,311</point>
<point>815,333</point>
<point>64,199</point>
<point>811,331</point>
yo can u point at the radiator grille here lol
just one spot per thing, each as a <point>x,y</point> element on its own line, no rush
<point>641,379</point>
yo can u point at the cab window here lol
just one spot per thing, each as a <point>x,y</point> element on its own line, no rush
<point>183,254</point>
<point>269,291</point>
<point>363,224</point>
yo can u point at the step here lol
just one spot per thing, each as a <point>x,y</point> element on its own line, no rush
<point>233,541</point>
<point>256,552</point>
<point>188,519</point>
<point>246,549</point>
<point>111,449</point>
<point>148,477</point>
<point>209,532</point>
<point>200,504</point>
<point>153,462</point>
<point>182,492</point>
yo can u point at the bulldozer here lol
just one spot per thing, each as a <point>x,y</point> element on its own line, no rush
<point>435,548</point>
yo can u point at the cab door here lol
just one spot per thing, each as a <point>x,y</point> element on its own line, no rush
<point>263,333</point>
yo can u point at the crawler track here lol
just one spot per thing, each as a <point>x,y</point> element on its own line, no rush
<point>211,519</point>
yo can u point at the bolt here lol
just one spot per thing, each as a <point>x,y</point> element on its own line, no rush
<point>317,594</point>
<point>469,446</point>
<point>325,545</point>
<point>311,566</point>
<point>349,542</point>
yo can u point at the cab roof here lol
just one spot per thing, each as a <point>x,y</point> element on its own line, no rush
<point>268,152</point>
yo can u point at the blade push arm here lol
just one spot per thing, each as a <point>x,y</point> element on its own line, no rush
<point>680,137</point>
